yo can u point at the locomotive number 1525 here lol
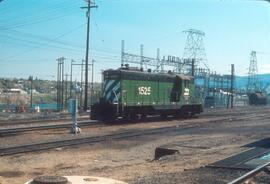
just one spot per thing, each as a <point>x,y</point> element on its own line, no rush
<point>144,90</point>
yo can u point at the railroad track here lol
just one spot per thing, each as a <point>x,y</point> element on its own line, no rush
<point>251,174</point>
<point>237,111</point>
<point>41,120</point>
<point>122,135</point>
<point>65,117</point>
<point>8,131</point>
<point>85,140</point>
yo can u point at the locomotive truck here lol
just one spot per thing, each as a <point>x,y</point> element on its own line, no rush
<point>133,93</point>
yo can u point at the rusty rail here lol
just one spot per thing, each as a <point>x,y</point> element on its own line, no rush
<point>250,174</point>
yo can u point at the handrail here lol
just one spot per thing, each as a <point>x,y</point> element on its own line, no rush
<point>249,174</point>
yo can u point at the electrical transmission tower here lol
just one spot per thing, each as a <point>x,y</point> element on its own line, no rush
<point>194,49</point>
<point>194,61</point>
<point>253,81</point>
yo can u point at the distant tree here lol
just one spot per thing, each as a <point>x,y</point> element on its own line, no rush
<point>30,78</point>
<point>8,99</point>
<point>8,84</point>
<point>1,84</point>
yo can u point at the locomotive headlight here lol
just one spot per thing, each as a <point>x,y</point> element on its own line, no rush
<point>186,92</point>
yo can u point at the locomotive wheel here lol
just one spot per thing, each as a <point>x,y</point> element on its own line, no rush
<point>163,116</point>
<point>134,116</point>
<point>143,116</point>
<point>186,115</point>
<point>109,120</point>
<point>178,115</point>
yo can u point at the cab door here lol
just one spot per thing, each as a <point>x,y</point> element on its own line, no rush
<point>176,90</point>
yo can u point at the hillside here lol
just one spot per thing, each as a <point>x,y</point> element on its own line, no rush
<point>241,81</point>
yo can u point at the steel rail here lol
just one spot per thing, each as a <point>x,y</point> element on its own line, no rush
<point>46,127</point>
<point>85,140</point>
<point>65,117</point>
<point>9,131</point>
<point>37,121</point>
<point>250,174</point>
<point>93,139</point>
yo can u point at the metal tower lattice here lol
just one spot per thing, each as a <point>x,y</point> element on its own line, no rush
<point>194,49</point>
<point>253,81</point>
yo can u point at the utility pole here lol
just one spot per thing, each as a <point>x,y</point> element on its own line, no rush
<point>232,84</point>
<point>122,52</point>
<point>57,86</point>
<point>31,92</point>
<point>222,87</point>
<point>88,7</point>
<point>62,88</point>
<point>81,96</point>
<point>60,83</point>
<point>73,63</point>
<point>70,88</point>
<point>66,90</point>
<point>158,59</point>
<point>193,68</point>
<point>228,96</point>
<point>141,63</point>
<point>92,82</point>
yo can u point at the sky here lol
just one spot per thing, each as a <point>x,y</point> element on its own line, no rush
<point>34,33</point>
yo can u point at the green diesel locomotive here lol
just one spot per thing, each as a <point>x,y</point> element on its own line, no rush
<point>131,94</point>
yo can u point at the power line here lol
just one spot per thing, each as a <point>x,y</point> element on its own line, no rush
<point>35,22</point>
<point>39,37</point>
<point>29,42</point>
<point>56,38</point>
<point>51,43</point>
<point>15,33</point>
<point>40,13</point>
<point>264,53</point>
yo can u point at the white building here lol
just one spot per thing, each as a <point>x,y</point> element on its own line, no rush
<point>16,91</point>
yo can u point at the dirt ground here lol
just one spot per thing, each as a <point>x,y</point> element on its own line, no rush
<point>131,160</point>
